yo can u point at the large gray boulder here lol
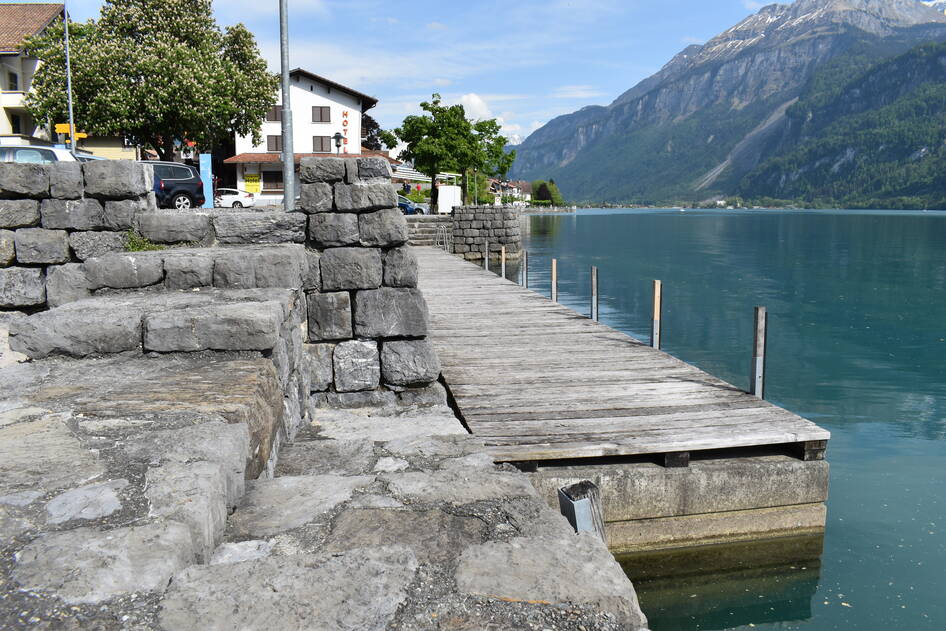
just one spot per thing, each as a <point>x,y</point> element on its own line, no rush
<point>21,287</point>
<point>87,245</point>
<point>121,214</point>
<point>77,332</point>
<point>357,366</point>
<point>332,230</point>
<point>316,197</point>
<point>319,361</point>
<point>7,249</point>
<point>385,228</point>
<point>365,196</point>
<point>174,227</point>
<point>117,179</point>
<point>19,213</point>
<point>330,316</point>
<point>23,180</point>
<point>351,268</point>
<point>249,228</point>
<point>279,267</point>
<point>41,246</point>
<point>66,283</point>
<point>125,271</point>
<point>65,180</point>
<point>374,167</point>
<point>186,270</point>
<point>390,312</point>
<point>400,267</point>
<point>73,214</point>
<point>328,170</point>
<point>409,363</point>
<point>220,327</point>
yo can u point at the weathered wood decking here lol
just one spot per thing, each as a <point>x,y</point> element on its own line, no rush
<point>538,381</point>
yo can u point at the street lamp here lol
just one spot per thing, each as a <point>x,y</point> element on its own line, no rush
<point>338,142</point>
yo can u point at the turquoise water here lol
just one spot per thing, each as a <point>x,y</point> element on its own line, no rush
<point>857,343</point>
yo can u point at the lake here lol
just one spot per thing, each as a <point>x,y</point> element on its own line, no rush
<point>857,343</point>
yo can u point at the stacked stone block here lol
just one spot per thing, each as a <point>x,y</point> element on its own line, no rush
<point>368,323</point>
<point>54,215</point>
<point>477,227</point>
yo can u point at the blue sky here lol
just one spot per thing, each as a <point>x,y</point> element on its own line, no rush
<point>523,61</point>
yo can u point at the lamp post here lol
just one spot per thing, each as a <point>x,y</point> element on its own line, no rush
<point>338,142</point>
<point>288,156</point>
<point>72,121</point>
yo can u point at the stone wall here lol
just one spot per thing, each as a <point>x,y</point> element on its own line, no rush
<point>475,227</point>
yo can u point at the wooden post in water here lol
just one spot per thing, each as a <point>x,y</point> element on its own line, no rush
<point>757,379</point>
<point>581,505</point>
<point>658,305</point>
<point>594,293</point>
<point>502,256</point>
<point>525,269</point>
<point>486,256</point>
<point>554,280</point>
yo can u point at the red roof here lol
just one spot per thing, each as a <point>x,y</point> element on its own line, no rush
<point>269,158</point>
<point>21,20</point>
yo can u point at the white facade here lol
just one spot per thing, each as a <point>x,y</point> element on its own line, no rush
<point>320,109</point>
<point>16,78</point>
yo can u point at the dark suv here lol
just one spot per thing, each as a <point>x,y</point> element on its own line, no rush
<point>177,185</point>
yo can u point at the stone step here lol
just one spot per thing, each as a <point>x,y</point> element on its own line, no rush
<point>245,267</point>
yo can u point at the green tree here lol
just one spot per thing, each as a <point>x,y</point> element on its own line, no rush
<point>555,194</point>
<point>445,140</point>
<point>373,137</point>
<point>541,191</point>
<point>155,71</point>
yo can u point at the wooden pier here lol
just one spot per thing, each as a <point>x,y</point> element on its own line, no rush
<point>539,382</point>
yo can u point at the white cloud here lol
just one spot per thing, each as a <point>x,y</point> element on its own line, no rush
<point>475,106</point>
<point>442,82</point>
<point>692,40</point>
<point>437,26</point>
<point>753,5</point>
<point>576,92</point>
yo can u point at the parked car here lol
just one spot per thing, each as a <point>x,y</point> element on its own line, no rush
<point>410,208</point>
<point>177,185</point>
<point>233,198</point>
<point>34,155</point>
<point>88,157</point>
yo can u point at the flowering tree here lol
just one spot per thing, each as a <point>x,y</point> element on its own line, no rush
<point>156,71</point>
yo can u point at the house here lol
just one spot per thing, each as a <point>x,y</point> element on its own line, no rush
<point>19,21</point>
<point>321,108</point>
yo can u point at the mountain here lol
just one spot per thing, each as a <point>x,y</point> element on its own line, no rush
<point>939,5</point>
<point>714,112</point>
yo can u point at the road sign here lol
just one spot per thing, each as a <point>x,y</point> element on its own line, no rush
<point>62,128</point>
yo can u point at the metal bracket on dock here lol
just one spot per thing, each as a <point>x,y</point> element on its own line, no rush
<point>581,505</point>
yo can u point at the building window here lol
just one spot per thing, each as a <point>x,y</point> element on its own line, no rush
<point>321,114</point>
<point>272,182</point>
<point>16,124</point>
<point>273,143</point>
<point>274,115</point>
<point>13,81</point>
<point>322,144</point>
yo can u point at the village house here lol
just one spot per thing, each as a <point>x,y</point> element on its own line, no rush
<point>19,21</point>
<point>321,108</point>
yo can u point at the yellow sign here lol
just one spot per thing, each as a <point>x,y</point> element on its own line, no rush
<point>252,182</point>
<point>62,128</point>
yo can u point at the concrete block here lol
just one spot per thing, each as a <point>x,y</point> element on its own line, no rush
<point>38,245</point>
<point>19,213</point>
<point>66,283</point>
<point>316,197</point>
<point>122,214</point>
<point>252,228</point>
<point>357,366</point>
<point>130,270</point>
<point>385,228</point>
<point>65,180</point>
<point>184,270</point>
<point>22,287</point>
<point>23,180</point>
<point>409,363</point>
<point>87,566</point>
<point>400,267</point>
<point>374,167</point>
<point>332,230</point>
<point>390,312</point>
<point>330,170</point>
<point>117,179</point>
<point>174,227</point>
<point>320,365</point>
<point>87,245</point>
<point>351,268</point>
<point>7,248</point>
<point>330,316</point>
<point>218,327</point>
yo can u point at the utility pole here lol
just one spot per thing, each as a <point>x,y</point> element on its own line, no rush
<point>72,120</point>
<point>288,157</point>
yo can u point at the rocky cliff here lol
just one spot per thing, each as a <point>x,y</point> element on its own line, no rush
<point>707,117</point>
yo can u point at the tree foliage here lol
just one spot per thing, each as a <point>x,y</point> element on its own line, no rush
<point>373,137</point>
<point>445,140</point>
<point>156,71</point>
